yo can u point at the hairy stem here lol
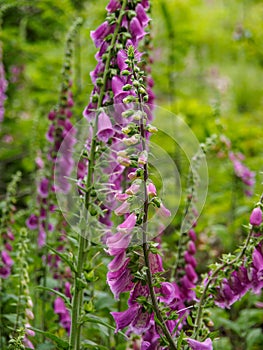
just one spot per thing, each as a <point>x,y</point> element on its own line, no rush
<point>145,247</point>
<point>76,325</point>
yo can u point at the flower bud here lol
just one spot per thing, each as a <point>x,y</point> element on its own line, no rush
<point>256,217</point>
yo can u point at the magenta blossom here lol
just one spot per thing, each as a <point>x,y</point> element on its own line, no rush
<point>105,130</point>
<point>256,217</point>
<point>197,345</point>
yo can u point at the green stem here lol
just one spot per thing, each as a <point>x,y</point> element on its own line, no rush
<point>74,341</point>
<point>210,280</point>
<point>145,247</point>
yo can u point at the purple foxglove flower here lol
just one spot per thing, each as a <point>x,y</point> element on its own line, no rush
<point>6,259</point>
<point>100,33</point>
<point>50,133</point>
<point>97,71</point>
<point>39,162</point>
<point>145,4</point>
<point>121,197</point>
<point>8,247</point>
<point>125,318</point>
<point>191,248</point>
<point>67,290</point>
<point>118,243</point>
<point>5,272</point>
<point>141,15</point>
<point>156,263</point>
<point>189,259</point>
<point>52,115</point>
<point>119,94</point>
<point>41,238</point>
<point>29,314</point>
<point>163,211</point>
<point>258,263</point>
<point>256,217</point>
<point>28,343</point>
<point>89,111</point>
<point>143,158</point>
<point>29,331</point>
<point>102,51</point>
<point>151,190</point>
<point>145,345</point>
<point>65,321</point>
<point>118,262</point>
<point>133,189</point>
<point>43,188</point>
<point>120,281</point>
<point>59,306</point>
<point>187,288</point>
<point>105,130</point>
<point>141,322</point>
<point>238,286</point>
<point>113,5</point>
<point>138,291</point>
<point>137,31</point>
<point>192,234</point>
<point>191,274</point>
<point>169,292</point>
<point>32,222</point>
<point>197,345</point>
<point>128,224</point>
<point>124,208</point>
<point>121,57</point>
<point>225,296</point>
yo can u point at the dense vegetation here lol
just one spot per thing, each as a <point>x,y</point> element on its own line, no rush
<point>205,58</point>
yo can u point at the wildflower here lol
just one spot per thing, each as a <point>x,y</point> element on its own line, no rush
<point>197,345</point>
<point>256,217</point>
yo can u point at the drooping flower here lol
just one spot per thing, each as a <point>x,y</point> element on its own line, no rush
<point>105,130</point>
<point>197,345</point>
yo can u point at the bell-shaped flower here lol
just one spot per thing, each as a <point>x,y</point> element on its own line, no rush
<point>32,222</point>
<point>133,189</point>
<point>197,345</point>
<point>124,208</point>
<point>6,259</point>
<point>191,274</point>
<point>105,130</point>
<point>128,224</point>
<point>43,188</point>
<point>100,33</point>
<point>121,197</point>
<point>125,318</point>
<point>121,58</point>
<point>256,217</point>
<point>113,5</point>
<point>142,15</point>
<point>137,31</point>
<point>118,243</point>
<point>118,262</point>
<point>59,306</point>
<point>151,190</point>
<point>163,211</point>
<point>191,248</point>
<point>120,281</point>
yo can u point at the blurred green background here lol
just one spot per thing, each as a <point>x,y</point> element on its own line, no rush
<point>208,60</point>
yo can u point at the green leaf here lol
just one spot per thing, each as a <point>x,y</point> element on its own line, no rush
<point>62,344</point>
<point>180,340</point>
<point>63,257</point>
<point>97,320</point>
<point>61,295</point>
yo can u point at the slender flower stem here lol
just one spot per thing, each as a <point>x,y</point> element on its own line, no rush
<point>210,280</point>
<point>74,341</point>
<point>155,306</point>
